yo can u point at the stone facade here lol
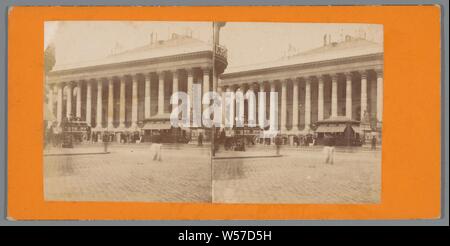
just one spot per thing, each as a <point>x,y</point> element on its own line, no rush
<point>339,79</point>
<point>121,92</point>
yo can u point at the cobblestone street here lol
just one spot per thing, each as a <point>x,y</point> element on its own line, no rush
<point>299,176</point>
<point>128,173</point>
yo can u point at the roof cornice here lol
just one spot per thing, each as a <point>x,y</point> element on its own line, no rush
<point>345,60</point>
<point>95,68</point>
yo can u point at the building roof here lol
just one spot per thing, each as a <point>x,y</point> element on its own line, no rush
<point>163,116</point>
<point>176,45</point>
<point>327,129</point>
<point>351,47</point>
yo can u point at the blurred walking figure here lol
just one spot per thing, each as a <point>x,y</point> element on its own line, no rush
<point>374,143</point>
<point>156,149</point>
<point>278,142</point>
<point>329,150</point>
<point>200,139</point>
<point>105,142</point>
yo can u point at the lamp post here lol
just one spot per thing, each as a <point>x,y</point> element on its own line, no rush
<point>216,32</point>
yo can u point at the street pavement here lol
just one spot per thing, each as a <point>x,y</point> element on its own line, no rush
<point>299,176</point>
<point>128,173</point>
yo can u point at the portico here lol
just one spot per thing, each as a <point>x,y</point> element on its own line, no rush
<point>338,79</point>
<point>123,91</point>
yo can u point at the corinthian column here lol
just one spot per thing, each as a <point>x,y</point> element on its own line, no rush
<point>273,116</point>
<point>262,106</point>
<point>363,94</point>
<point>252,106</point>
<point>308,103</point>
<point>380,95</point>
<point>110,103</point>
<point>190,82</point>
<point>320,99</point>
<point>175,82</point>
<point>88,103</point>
<point>98,118</point>
<point>205,80</point>
<point>334,96</point>
<point>78,108</point>
<point>348,96</point>
<point>205,84</point>
<point>69,100</point>
<point>161,93</point>
<point>134,102</point>
<point>147,100</point>
<point>240,111</point>
<point>229,109</point>
<point>122,103</point>
<point>283,105</point>
<point>295,105</point>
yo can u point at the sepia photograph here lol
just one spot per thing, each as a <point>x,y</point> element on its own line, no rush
<point>326,114</point>
<point>108,135</point>
<point>213,112</point>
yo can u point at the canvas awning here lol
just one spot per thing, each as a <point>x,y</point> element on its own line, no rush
<point>329,129</point>
<point>365,127</point>
<point>156,126</point>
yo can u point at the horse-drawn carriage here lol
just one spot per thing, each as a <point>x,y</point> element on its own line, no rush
<point>73,130</point>
<point>238,138</point>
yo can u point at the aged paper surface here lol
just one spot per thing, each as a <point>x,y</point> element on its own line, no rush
<point>110,135</point>
<point>294,123</point>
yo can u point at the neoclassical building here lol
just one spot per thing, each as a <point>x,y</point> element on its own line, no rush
<point>130,91</point>
<point>342,80</point>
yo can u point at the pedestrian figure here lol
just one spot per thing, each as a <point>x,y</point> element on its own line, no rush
<point>156,149</point>
<point>105,143</point>
<point>329,150</point>
<point>374,143</point>
<point>200,139</point>
<point>278,143</point>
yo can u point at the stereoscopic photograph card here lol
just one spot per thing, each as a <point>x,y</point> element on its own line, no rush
<point>109,133</point>
<point>305,116</point>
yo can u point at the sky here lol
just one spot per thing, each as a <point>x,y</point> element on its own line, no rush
<point>247,42</point>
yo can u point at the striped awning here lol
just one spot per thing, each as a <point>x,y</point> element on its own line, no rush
<point>365,127</point>
<point>327,129</point>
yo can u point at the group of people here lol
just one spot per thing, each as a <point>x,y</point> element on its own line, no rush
<point>132,137</point>
<point>234,142</point>
<point>306,140</point>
